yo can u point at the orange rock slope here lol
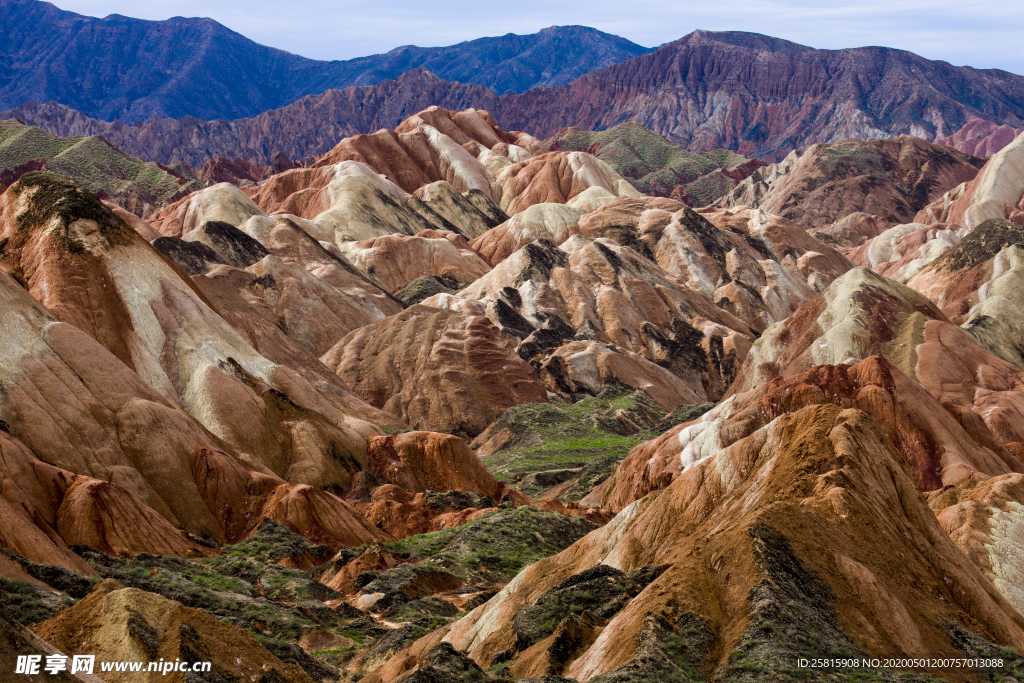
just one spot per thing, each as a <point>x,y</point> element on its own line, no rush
<point>810,532</point>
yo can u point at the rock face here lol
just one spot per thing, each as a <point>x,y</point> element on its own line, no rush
<point>557,177</point>
<point>860,316</point>
<point>902,251</point>
<point>168,404</point>
<point>549,221</point>
<point>439,169</point>
<point>426,461</point>
<point>892,179</point>
<point>980,138</point>
<point>941,447</point>
<point>620,270</point>
<point>595,289</point>
<point>397,260</point>
<point>430,146</point>
<point>657,167</point>
<point>437,370</point>
<point>994,193</point>
<point>769,89</point>
<point>191,59</point>
<point>979,517</point>
<point>126,624</point>
<point>977,284</point>
<point>761,509</point>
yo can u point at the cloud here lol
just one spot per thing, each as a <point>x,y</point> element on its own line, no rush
<point>983,34</point>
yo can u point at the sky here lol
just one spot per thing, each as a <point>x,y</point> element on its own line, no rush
<point>982,34</point>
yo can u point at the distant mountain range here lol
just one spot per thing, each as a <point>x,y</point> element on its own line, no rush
<point>204,91</point>
<point>130,69</point>
<point>763,97</point>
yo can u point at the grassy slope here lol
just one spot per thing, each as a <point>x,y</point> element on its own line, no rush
<point>653,164</point>
<point>92,162</point>
<point>589,433</point>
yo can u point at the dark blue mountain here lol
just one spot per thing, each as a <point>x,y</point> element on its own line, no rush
<point>131,69</point>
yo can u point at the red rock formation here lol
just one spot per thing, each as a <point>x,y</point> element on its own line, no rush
<point>80,403</point>
<point>557,177</point>
<point>994,193</point>
<point>235,171</point>
<point>793,511</point>
<point>547,221</point>
<point>938,449</point>
<point>438,370</point>
<point>979,516</point>
<point>397,260</point>
<point>978,284</point>
<point>902,251</point>
<point>425,461</point>
<point>427,147</point>
<point>980,138</point>
<point>763,97</point>
<point>595,289</point>
<point>403,514</point>
<point>104,516</point>
<point>892,179</point>
<point>320,516</point>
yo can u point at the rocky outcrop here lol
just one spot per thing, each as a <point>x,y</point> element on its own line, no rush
<point>891,179</point>
<point>940,448</point>
<point>756,266</point>
<point>223,202</point>
<point>549,221</point>
<point>132,341</point>
<point>557,177</point>
<point>980,138</point>
<point>543,296</point>
<point>236,171</point>
<point>396,260</point>
<point>436,370</point>
<point>979,516</point>
<point>900,252</point>
<point>977,284</point>
<point>126,624</point>
<point>750,536</point>
<point>994,193</point>
<point>424,461</point>
<point>852,231</point>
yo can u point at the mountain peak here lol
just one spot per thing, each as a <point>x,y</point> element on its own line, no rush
<point>753,41</point>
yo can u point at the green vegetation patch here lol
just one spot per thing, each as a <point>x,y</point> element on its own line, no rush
<point>94,163</point>
<point>273,542</point>
<point>600,592</point>
<point>654,165</point>
<point>585,434</point>
<point>28,603</point>
<point>495,547</point>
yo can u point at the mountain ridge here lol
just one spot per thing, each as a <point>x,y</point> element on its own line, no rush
<point>135,69</point>
<point>703,92</point>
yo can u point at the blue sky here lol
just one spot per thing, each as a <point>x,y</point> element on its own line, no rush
<point>983,34</point>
